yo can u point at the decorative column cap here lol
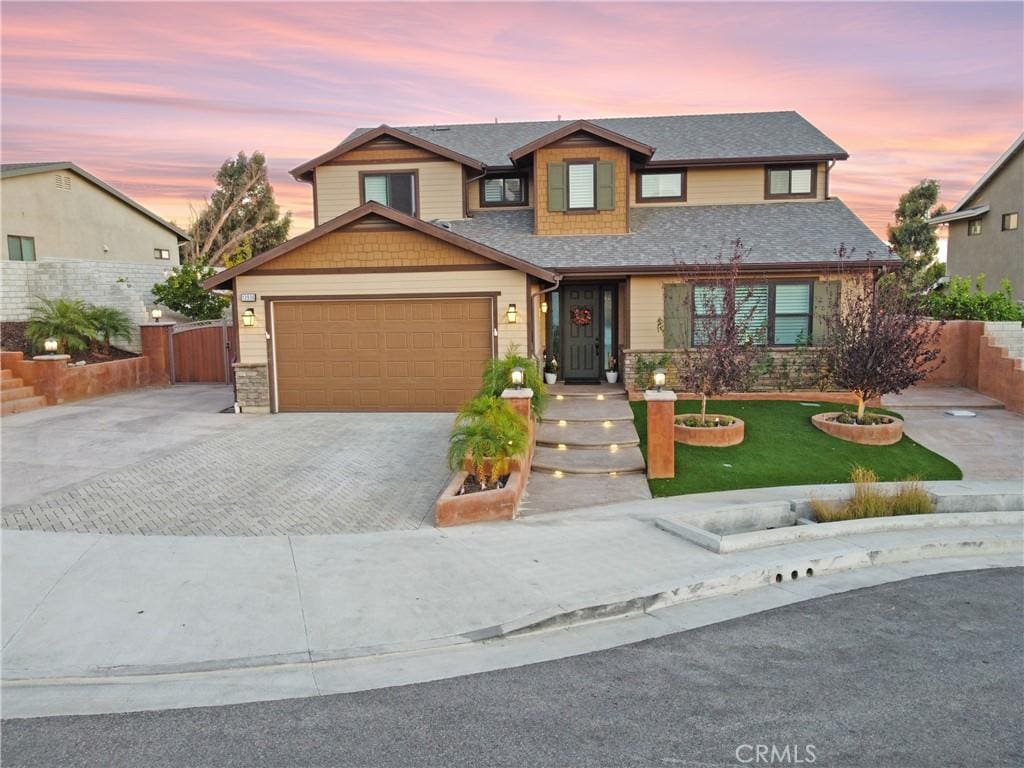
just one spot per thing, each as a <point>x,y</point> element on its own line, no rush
<point>517,394</point>
<point>654,395</point>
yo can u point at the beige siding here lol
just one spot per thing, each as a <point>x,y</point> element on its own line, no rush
<point>646,306</point>
<point>440,188</point>
<point>722,186</point>
<point>83,223</point>
<point>509,283</point>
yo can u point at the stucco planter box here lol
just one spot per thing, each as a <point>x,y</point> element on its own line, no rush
<point>709,437</point>
<point>496,504</point>
<point>864,434</point>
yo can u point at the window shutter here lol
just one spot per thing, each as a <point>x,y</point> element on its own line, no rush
<point>605,186</point>
<point>826,299</point>
<point>677,315</point>
<point>556,187</point>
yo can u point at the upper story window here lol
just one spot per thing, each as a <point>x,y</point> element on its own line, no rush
<point>395,189</point>
<point>21,248</point>
<point>974,227</point>
<point>503,190</point>
<point>582,186</point>
<point>660,186</point>
<point>1010,221</point>
<point>161,253</point>
<point>790,181</point>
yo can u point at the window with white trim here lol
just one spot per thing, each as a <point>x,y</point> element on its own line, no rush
<point>582,186</point>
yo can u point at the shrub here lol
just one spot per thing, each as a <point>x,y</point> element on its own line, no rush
<point>959,302</point>
<point>183,292</point>
<point>487,431</point>
<point>498,377</point>
<point>66,320</point>
<point>868,501</point>
<point>108,323</point>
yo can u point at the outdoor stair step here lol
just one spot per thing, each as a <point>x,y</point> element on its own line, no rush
<point>17,393</point>
<point>7,407</point>
<point>588,461</point>
<point>587,434</point>
<point>581,409</point>
<point>9,382</point>
<point>588,391</point>
<point>6,373</point>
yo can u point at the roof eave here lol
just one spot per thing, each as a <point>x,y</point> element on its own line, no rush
<point>966,213</point>
<point>987,176</point>
<point>748,160</point>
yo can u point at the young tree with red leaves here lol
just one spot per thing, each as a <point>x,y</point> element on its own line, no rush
<point>727,331</point>
<point>878,338</point>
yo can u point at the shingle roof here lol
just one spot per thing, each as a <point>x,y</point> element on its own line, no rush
<point>675,137</point>
<point>777,234</point>
<point>986,177</point>
<point>25,169</point>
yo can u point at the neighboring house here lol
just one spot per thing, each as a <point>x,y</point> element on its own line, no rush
<point>437,247</point>
<point>68,233</point>
<point>985,234</point>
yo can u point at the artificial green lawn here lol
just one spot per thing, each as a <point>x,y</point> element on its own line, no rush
<point>782,447</point>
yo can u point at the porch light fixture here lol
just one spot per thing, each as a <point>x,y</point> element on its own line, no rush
<point>249,318</point>
<point>156,314</point>
<point>517,377</point>
<point>50,345</point>
<point>512,314</point>
<point>544,307</point>
<point>659,379</point>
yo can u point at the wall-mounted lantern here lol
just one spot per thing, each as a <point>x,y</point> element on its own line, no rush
<point>249,318</point>
<point>544,307</point>
<point>659,379</point>
<point>511,314</point>
<point>50,345</point>
<point>156,314</point>
<point>517,377</point>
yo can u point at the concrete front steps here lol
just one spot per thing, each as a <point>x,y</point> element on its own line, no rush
<point>1009,336</point>
<point>15,396</point>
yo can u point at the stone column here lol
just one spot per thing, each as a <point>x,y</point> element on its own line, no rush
<point>519,400</point>
<point>47,376</point>
<point>661,444</point>
<point>158,346</point>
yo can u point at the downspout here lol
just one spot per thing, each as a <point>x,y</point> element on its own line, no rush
<point>465,186</point>
<point>828,175</point>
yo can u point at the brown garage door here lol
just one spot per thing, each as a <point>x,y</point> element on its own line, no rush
<point>380,354</point>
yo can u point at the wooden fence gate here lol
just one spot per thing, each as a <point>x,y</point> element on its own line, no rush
<point>202,352</point>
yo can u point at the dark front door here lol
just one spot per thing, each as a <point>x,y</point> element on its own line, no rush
<point>581,323</point>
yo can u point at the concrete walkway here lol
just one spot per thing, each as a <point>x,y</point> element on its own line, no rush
<point>84,609</point>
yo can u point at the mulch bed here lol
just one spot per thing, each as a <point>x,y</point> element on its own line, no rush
<point>13,339</point>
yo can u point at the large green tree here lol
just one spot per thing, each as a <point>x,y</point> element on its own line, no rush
<point>241,217</point>
<point>913,238</point>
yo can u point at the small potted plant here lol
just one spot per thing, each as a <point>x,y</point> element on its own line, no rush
<point>551,371</point>
<point>611,371</point>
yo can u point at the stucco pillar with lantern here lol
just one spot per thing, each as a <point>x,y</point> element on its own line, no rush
<point>661,444</point>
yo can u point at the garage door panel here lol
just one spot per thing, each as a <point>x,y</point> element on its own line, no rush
<point>379,354</point>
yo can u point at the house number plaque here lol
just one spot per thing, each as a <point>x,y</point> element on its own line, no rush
<point>247,297</point>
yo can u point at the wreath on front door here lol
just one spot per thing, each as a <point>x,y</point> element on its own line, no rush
<point>582,316</point>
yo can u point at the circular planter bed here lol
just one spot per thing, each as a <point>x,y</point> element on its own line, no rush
<point>887,431</point>
<point>728,432</point>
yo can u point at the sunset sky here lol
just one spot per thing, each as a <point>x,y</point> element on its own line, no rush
<point>152,97</point>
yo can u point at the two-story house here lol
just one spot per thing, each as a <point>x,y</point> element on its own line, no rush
<point>436,247</point>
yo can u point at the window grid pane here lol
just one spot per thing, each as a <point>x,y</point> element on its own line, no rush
<point>581,185</point>
<point>800,181</point>
<point>14,248</point>
<point>493,190</point>
<point>375,188</point>
<point>792,299</point>
<point>28,249</point>
<point>779,182</point>
<point>792,329</point>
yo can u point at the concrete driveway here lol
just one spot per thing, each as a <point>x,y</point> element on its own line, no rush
<point>166,461</point>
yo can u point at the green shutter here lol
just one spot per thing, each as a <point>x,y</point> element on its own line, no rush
<point>556,186</point>
<point>678,300</point>
<point>826,299</point>
<point>606,186</point>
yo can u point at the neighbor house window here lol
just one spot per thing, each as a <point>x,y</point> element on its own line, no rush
<point>974,227</point>
<point>769,313</point>
<point>789,181</point>
<point>655,186</point>
<point>1010,221</point>
<point>582,186</point>
<point>394,189</point>
<point>21,248</point>
<point>161,253</point>
<point>503,190</point>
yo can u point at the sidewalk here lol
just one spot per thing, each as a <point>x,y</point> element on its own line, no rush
<point>79,605</point>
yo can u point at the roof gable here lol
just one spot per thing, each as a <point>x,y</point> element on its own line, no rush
<point>584,126</point>
<point>377,210</point>
<point>988,175</point>
<point>303,172</point>
<point>11,170</point>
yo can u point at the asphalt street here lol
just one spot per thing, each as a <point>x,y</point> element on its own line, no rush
<point>927,672</point>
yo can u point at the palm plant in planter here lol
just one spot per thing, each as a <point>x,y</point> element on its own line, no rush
<point>66,320</point>
<point>489,435</point>
<point>108,323</point>
<point>498,377</point>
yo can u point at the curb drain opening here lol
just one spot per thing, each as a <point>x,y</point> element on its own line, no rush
<point>794,575</point>
<point>810,571</point>
<point>778,578</point>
